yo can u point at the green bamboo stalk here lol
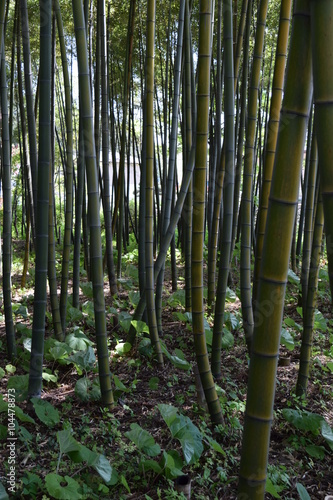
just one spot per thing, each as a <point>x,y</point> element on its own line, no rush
<point>79,200</point>
<point>229,180</point>
<point>187,211</point>
<point>215,148</point>
<point>96,258</point>
<point>97,83</point>
<point>242,123</point>
<point>270,146</point>
<point>30,110</point>
<point>26,157</point>
<point>308,316</point>
<point>199,192</point>
<point>149,166</point>
<point>176,214</point>
<point>220,175</point>
<point>7,213</point>
<point>69,170</point>
<point>78,216</point>
<point>170,181</point>
<point>52,275</point>
<point>121,179</point>
<point>105,154</point>
<point>309,218</point>
<point>240,36</point>
<point>44,155</point>
<point>275,258</point>
<point>322,40</point>
<point>246,210</point>
<point>2,24</point>
<point>304,184</point>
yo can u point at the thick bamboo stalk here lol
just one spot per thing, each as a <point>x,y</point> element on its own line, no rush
<point>30,108</point>
<point>229,181</point>
<point>309,311</point>
<point>7,214</point>
<point>44,155</point>
<point>309,218</point>
<point>249,164</point>
<point>69,170</point>
<point>270,145</point>
<point>149,191</point>
<point>170,182</point>
<point>275,261</point>
<point>199,195</point>
<point>96,258</point>
<point>105,154</point>
<point>322,42</point>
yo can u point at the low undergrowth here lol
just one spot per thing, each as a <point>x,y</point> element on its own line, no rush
<point>67,446</point>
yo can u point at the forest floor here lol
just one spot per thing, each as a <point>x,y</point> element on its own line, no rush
<point>298,454</point>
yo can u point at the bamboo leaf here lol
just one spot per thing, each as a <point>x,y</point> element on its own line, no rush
<point>172,463</point>
<point>287,339</point>
<point>182,364</point>
<point>183,429</point>
<point>290,322</point>
<point>125,483</point>
<point>320,323</point>
<point>132,272</point>
<point>20,384</point>
<point>231,321</point>
<point>216,446</point>
<point>143,440</point>
<point>140,326</point>
<point>315,451</point>
<point>54,484</point>
<point>168,412</point>
<point>102,466</point>
<point>153,383</point>
<point>270,488</point>
<point>3,434</point>
<point>85,359</point>
<point>27,344</point>
<point>178,362</point>
<point>292,277</point>
<point>3,494</point>
<point>58,353</point>
<point>303,420</point>
<point>230,296</point>
<point>87,289</point>
<point>45,412</point>
<point>66,442</point>
<point>119,385</point>
<point>330,366</point>
<point>125,320</point>
<point>78,341</point>
<point>123,348</point>
<point>114,477</point>
<point>145,348</point>
<point>73,315</point>
<point>177,299</point>
<point>20,310</point>
<point>227,339</point>
<point>327,433</point>
<point>134,297</point>
<point>303,494</point>
<point>87,390</point>
<point>148,465</point>
<point>23,417</point>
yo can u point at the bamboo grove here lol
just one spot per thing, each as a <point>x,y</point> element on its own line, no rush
<point>96,92</point>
